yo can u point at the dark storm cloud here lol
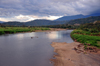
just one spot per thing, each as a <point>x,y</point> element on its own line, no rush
<point>48,7</point>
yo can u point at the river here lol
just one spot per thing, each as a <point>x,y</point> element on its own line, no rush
<point>30,49</point>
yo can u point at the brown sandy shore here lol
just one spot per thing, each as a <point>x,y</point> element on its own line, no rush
<point>51,29</point>
<point>67,56</point>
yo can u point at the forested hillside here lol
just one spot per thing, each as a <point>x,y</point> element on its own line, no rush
<point>84,20</point>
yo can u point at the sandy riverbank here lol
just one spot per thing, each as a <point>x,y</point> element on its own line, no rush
<point>67,56</point>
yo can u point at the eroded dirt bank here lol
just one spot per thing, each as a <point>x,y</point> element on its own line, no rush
<point>67,56</point>
<point>51,29</point>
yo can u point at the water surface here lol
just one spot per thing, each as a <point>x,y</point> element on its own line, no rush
<point>22,50</point>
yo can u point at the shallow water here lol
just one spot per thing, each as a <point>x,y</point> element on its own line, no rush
<point>22,50</point>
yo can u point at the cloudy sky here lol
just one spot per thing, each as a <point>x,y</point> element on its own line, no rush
<point>26,10</point>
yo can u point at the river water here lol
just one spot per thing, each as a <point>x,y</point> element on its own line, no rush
<point>22,50</point>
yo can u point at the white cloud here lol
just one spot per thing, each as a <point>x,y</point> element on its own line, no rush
<point>25,18</point>
<point>53,17</point>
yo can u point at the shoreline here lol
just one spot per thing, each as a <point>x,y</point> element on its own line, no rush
<point>67,56</point>
<point>51,29</point>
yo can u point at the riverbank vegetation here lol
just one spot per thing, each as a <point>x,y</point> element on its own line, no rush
<point>88,34</point>
<point>87,40</point>
<point>8,30</point>
<point>64,26</point>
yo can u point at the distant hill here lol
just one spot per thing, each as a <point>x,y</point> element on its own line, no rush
<point>1,22</point>
<point>84,20</point>
<point>73,24</point>
<point>39,22</point>
<point>43,22</point>
<point>13,23</point>
<point>70,17</point>
<point>76,17</point>
<point>95,14</point>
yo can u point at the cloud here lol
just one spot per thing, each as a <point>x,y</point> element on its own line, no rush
<point>21,18</point>
<point>25,18</point>
<point>42,8</point>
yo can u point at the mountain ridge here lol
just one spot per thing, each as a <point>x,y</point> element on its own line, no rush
<point>84,20</point>
<point>70,17</point>
<point>44,22</point>
<point>1,22</point>
<point>76,17</point>
<point>35,23</point>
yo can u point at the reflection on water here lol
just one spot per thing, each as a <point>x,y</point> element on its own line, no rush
<point>20,50</point>
<point>20,36</point>
<point>54,35</point>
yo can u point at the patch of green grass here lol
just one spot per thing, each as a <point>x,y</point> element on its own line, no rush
<point>4,30</point>
<point>86,39</point>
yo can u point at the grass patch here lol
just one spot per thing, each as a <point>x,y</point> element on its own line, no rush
<point>4,30</point>
<point>86,39</point>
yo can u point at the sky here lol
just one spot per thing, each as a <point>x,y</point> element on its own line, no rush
<point>27,10</point>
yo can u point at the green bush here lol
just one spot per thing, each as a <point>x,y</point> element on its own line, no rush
<point>90,32</point>
<point>86,29</point>
<point>94,31</point>
<point>2,32</point>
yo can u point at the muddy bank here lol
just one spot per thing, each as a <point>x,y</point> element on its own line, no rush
<point>67,56</point>
<point>51,29</point>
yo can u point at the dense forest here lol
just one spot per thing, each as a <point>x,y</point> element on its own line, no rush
<point>93,26</point>
<point>84,20</point>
